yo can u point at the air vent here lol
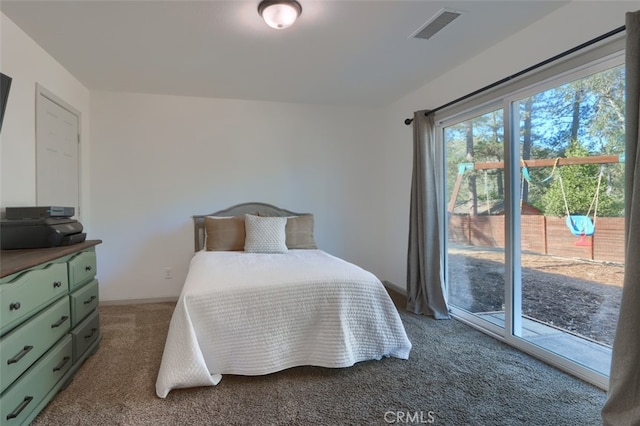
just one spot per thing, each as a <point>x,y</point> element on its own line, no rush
<point>440,20</point>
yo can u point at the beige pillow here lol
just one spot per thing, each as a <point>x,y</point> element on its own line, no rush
<point>299,232</point>
<point>224,233</point>
<point>265,234</point>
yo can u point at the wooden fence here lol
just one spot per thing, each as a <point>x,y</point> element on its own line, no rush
<point>544,235</point>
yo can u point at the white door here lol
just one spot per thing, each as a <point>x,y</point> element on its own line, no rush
<point>57,149</point>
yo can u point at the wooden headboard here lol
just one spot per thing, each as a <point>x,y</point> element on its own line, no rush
<point>261,209</point>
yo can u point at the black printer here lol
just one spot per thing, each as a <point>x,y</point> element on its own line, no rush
<point>38,227</point>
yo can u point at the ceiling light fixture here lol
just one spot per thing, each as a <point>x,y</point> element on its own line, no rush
<point>279,14</point>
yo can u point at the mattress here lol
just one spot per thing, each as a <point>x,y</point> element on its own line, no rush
<point>255,313</point>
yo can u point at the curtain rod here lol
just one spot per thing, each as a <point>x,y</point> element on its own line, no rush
<point>526,70</point>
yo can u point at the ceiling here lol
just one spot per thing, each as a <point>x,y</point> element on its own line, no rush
<point>339,52</point>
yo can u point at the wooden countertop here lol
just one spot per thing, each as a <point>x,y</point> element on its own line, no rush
<point>12,261</point>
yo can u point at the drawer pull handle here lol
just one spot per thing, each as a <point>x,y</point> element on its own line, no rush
<point>89,300</point>
<point>87,268</point>
<point>21,354</point>
<point>14,306</point>
<point>90,335</point>
<point>57,284</point>
<point>59,322</point>
<point>22,406</point>
<point>62,363</point>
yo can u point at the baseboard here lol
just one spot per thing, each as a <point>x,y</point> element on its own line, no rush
<point>394,287</point>
<point>138,301</point>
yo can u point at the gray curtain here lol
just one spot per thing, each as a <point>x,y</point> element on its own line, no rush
<point>425,283</point>
<point>623,400</point>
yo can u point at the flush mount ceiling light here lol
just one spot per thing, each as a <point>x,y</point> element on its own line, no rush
<point>279,14</point>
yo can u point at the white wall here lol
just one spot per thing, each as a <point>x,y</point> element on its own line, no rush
<point>156,160</point>
<point>27,63</point>
<point>569,26</point>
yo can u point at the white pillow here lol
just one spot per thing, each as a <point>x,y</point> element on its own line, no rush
<point>265,234</point>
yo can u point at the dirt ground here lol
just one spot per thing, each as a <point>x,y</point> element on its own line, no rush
<point>580,296</point>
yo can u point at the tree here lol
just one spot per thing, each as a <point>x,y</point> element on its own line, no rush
<point>472,177</point>
<point>526,107</point>
<point>589,110</point>
<point>580,183</point>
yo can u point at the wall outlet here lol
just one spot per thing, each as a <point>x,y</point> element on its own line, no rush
<point>168,273</point>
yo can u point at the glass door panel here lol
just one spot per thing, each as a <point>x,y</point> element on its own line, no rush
<point>475,210</point>
<point>572,217</point>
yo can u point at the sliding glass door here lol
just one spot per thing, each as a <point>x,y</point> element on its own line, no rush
<point>535,209</point>
<point>571,144</point>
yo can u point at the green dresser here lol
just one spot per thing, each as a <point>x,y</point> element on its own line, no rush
<point>49,324</point>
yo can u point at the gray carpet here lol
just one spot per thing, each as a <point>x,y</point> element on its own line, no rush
<point>455,376</point>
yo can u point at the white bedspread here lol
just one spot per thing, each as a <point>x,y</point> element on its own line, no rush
<point>253,314</point>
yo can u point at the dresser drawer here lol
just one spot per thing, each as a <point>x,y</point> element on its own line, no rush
<point>85,334</point>
<point>29,292</point>
<point>82,268</point>
<point>24,345</point>
<point>83,301</point>
<point>25,394</point>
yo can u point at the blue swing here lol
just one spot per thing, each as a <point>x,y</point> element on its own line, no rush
<point>580,225</point>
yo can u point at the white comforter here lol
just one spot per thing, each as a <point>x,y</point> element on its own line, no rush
<point>253,314</point>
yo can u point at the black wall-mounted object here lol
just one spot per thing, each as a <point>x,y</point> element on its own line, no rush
<point>5,86</point>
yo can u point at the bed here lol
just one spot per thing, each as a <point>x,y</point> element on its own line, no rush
<point>260,297</point>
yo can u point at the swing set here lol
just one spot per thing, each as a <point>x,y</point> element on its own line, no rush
<point>579,225</point>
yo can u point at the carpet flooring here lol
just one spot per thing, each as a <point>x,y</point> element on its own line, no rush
<point>455,376</point>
